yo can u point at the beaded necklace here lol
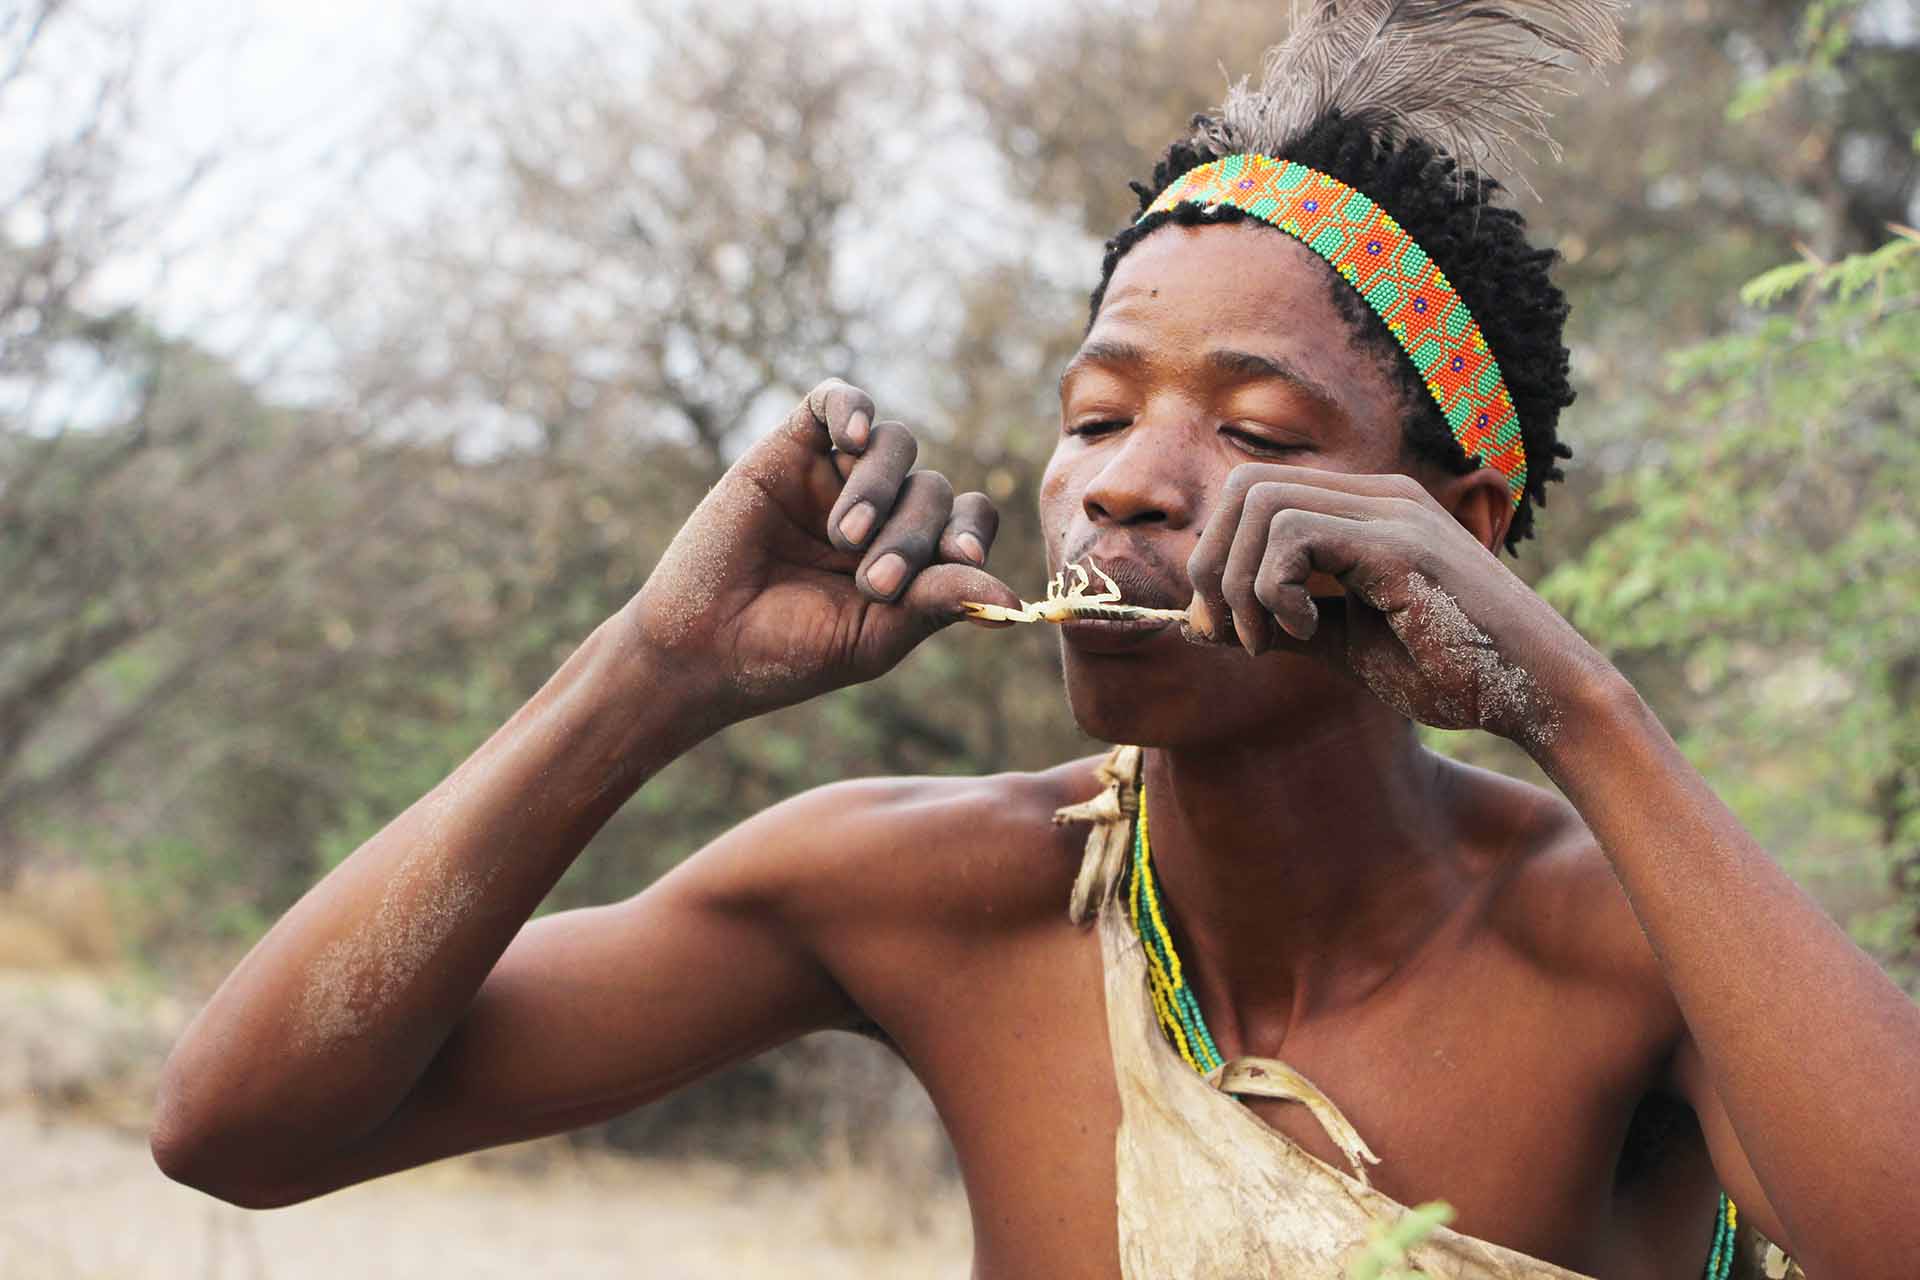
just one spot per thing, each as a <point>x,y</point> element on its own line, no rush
<point>1720,1261</point>
<point>1173,1000</point>
<point>1178,1010</point>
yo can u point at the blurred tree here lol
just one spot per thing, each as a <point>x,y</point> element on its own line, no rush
<point>190,570</point>
<point>1780,579</point>
<point>144,491</point>
<point>1784,569</point>
<point>185,578</point>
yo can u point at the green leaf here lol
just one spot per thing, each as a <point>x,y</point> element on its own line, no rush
<point>1857,271</point>
<point>1757,95</point>
<point>1388,1242</point>
<point>1770,286</point>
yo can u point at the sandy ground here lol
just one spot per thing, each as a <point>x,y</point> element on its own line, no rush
<point>80,1198</point>
<point>84,1201</point>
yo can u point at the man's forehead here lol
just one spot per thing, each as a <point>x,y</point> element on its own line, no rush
<point>1241,301</point>
<point>1232,275</point>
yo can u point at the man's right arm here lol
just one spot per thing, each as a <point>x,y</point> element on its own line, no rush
<point>401,1013</point>
<point>404,1010</point>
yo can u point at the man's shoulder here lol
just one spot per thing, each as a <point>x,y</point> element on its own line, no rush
<point>1556,900</point>
<point>962,849</point>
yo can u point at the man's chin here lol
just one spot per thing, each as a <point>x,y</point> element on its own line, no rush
<point>1115,702</point>
<point>1190,697</point>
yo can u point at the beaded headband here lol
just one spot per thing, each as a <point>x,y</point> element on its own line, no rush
<point>1370,250</point>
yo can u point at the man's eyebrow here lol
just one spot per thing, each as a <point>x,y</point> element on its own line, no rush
<point>1103,352</point>
<point>1245,364</point>
<point>1222,360</point>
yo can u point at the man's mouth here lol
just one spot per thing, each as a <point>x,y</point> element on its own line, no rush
<point>1114,635</point>
<point>1142,581</point>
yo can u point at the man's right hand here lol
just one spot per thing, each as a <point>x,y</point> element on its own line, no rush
<point>818,560</point>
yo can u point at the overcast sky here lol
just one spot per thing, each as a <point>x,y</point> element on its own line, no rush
<point>288,93</point>
<point>284,92</point>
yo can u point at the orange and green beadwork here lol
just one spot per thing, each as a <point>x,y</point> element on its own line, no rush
<point>1382,262</point>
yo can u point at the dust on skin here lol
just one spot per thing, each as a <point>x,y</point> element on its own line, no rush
<point>687,581</point>
<point>357,977</point>
<point>695,567</point>
<point>688,578</point>
<point>757,679</point>
<point>1498,696</point>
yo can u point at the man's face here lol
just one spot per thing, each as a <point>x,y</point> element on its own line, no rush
<point>1215,346</point>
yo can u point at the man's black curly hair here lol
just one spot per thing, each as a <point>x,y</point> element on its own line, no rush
<point>1480,246</point>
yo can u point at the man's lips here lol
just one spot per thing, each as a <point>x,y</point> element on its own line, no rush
<point>1140,582</point>
<point>1102,635</point>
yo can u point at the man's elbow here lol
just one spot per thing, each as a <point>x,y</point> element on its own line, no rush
<point>194,1156</point>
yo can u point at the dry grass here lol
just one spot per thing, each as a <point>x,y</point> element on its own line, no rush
<point>57,918</point>
<point>79,1202</point>
<point>870,1190</point>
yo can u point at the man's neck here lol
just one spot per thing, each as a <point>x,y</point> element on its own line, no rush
<point>1302,873</point>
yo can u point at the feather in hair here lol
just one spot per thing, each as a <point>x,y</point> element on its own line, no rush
<point>1468,76</point>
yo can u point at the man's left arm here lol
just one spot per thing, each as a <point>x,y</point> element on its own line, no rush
<point>1801,1057</point>
<point>1801,1053</point>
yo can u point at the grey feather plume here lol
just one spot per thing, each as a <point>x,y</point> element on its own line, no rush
<point>1469,76</point>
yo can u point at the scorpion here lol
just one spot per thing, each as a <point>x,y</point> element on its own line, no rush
<point>1071,600</point>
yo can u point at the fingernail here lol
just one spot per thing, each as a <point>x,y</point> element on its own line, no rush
<point>1200,618</point>
<point>857,427</point>
<point>857,523</point>
<point>886,574</point>
<point>970,547</point>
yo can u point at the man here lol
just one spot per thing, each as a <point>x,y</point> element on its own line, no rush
<point>1578,1020</point>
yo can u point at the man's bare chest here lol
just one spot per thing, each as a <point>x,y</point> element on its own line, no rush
<point>1510,1102</point>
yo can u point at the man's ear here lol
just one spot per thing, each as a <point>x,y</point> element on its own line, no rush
<point>1481,501</point>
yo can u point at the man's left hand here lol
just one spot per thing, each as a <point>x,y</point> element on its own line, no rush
<point>1430,620</point>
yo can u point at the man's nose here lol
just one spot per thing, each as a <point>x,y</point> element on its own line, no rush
<point>1144,479</point>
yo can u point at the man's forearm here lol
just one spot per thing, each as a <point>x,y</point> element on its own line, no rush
<point>320,1032</point>
<point>1810,1047</point>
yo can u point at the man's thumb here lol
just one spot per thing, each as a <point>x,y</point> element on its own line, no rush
<point>939,590</point>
